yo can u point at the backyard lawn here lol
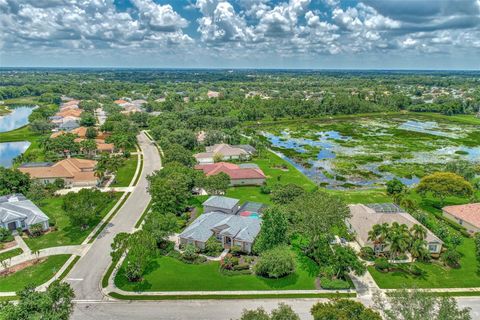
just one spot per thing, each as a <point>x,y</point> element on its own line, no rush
<point>125,173</point>
<point>169,274</point>
<point>66,233</point>
<point>36,274</point>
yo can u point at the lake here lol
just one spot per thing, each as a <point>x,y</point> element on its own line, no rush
<point>15,119</point>
<point>11,150</point>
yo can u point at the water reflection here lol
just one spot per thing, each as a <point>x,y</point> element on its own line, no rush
<point>15,119</point>
<point>10,150</point>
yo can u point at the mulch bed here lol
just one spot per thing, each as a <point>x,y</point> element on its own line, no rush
<point>8,245</point>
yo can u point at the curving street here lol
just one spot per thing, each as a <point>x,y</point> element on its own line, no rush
<point>86,276</point>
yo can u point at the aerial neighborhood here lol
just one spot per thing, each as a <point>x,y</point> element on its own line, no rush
<point>126,190</point>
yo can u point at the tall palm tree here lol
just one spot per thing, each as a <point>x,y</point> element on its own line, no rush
<point>399,239</point>
<point>379,233</point>
<point>418,250</point>
<point>418,232</point>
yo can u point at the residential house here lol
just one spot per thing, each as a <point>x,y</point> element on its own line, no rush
<point>244,174</point>
<point>221,204</point>
<point>364,217</point>
<point>467,215</point>
<point>69,113</point>
<point>81,132</point>
<point>74,172</point>
<point>69,124</point>
<point>213,94</point>
<point>16,211</point>
<point>225,152</point>
<point>230,230</point>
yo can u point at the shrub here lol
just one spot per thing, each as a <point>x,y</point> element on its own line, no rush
<point>451,258</point>
<point>213,247</point>
<point>241,266</point>
<point>265,189</point>
<point>275,263</point>
<point>415,270</point>
<point>382,264</point>
<point>166,247</point>
<point>5,235</point>
<point>35,230</point>
<point>236,251</point>
<point>190,254</point>
<point>333,284</point>
<point>367,253</point>
<point>477,245</point>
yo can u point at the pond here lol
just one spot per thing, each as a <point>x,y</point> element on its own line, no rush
<point>366,152</point>
<point>11,150</point>
<point>15,119</point>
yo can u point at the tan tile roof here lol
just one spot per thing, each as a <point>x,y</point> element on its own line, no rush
<point>71,168</point>
<point>467,212</point>
<point>222,149</point>
<point>69,113</point>
<point>364,218</point>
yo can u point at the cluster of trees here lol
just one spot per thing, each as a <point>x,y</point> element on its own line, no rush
<point>403,305</point>
<point>13,181</point>
<point>399,240</point>
<point>123,130</point>
<point>84,207</point>
<point>54,303</point>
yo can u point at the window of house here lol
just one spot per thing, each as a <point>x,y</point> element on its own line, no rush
<point>432,247</point>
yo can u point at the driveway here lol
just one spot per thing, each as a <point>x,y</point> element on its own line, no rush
<point>85,277</point>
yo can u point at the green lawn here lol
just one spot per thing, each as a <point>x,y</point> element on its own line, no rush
<point>66,233</point>
<point>125,173</point>
<point>36,274</point>
<point>10,254</point>
<point>271,165</point>
<point>170,274</point>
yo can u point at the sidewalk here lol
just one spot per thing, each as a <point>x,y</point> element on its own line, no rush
<point>105,189</point>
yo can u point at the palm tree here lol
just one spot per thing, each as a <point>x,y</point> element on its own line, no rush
<point>418,250</point>
<point>399,239</point>
<point>379,233</point>
<point>418,232</point>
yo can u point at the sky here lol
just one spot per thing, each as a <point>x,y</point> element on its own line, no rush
<point>311,34</point>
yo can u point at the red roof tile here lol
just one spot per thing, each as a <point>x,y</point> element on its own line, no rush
<point>467,212</point>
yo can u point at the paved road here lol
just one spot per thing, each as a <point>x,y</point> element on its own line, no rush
<point>204,309</point>
<point>86,275</point>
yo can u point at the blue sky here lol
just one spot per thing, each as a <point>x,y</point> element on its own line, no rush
<point>364,34</point>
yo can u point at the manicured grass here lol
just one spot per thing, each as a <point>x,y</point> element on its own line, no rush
<point>362,196</point>
<point>70,267</point>
<point>36,274</point>
<point>139,171</point>
<point>66,233</point>
<point>236,297</point>
<point>10,254</point>
<point>125,174</point>
<point>169,274</point>
<point>145,212</point>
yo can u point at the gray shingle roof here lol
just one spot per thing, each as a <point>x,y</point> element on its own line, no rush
<point>17,207</point>
<point>240,228</point>
<point>221,202</point>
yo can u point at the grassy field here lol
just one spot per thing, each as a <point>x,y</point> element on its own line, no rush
<point>125,173</point>
<point>170,274</point>
<point>4,110</point>
<point>10,254</point>
<point>66,233</point>
<point>36,274</point>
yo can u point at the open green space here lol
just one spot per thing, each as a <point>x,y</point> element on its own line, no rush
<point>36,274</point>
<point>125,173</point>
<point>66,233</point>
<point>169,274</point>
<point>25,134</point>
<point>10,254</point>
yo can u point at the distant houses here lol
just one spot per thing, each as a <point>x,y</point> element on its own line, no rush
<point>240,175</point>
<point>74,172</point>
<point>68,116</point>
<point>17,212</point>
<point>130,106</point>
<point>222,221</point>
<point>467,215</point>
<point>81,133</point>
<point>225,152</point>
<point>364,217</point>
